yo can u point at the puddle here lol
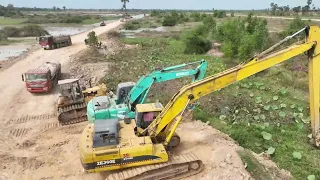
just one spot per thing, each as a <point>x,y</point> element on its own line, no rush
<point>67,30</point>
<point>132,33</point>
<point>12,50</point>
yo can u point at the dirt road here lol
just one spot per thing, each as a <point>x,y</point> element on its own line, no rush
<point>17,106</point>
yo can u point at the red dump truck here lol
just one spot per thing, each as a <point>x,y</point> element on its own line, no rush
<point>53,42</point>
<point>43,78</point>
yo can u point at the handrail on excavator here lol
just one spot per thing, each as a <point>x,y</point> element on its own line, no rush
<point>168,120</point>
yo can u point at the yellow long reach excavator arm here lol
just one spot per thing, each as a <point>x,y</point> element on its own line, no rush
<point>168,120</point>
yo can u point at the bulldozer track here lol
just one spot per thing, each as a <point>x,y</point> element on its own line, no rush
<point>72,114</point>
<point>28,118</point>
<point>19,132</point>
<point>50,126</point>
<point>176,168</point>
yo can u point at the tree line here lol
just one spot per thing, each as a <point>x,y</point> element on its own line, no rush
<point>9,10</point>
<point>277,10</point>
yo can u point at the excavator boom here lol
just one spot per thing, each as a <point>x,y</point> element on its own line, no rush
<point>170,117</point>
<point>138,93</point>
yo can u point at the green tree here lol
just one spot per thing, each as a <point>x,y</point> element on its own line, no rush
<point>296,9</point>
<point>92,39</point>
<point>124,5</point>
<point>10,7</point>
<point>64,7</point>
<point>274,7</point>
<point>196,45</point>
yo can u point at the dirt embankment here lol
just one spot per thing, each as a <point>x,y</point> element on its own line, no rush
<point>93,64</point>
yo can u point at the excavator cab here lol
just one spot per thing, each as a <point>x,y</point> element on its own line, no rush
<point>146,113</point>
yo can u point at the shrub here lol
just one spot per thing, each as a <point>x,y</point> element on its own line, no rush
<point>241,38</point>
<point>3,36</point>
<point>113,33</point>
<point>196,16</point>
<point>194,44</point>
<point>169,21</point>
<point>92,39</point>
<point>25,31</point>
<point>219,14</point>
<point>155,13</point>
<point>132,25</point>
<point>294,26</point>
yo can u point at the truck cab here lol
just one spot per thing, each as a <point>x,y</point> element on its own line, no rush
<point>37,80</point>
<point>46,41</point>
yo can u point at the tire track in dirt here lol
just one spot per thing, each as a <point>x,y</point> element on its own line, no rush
<point>28,118</point>
<point>19,132</point>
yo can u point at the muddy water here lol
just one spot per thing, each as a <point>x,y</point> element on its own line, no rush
<point>132,33</point>
<point>12,50</point>
<point>68,30</point>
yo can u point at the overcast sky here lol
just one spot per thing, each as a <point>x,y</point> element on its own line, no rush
<point>158,4</point>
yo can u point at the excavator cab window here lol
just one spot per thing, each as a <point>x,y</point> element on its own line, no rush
<point>144,119</point>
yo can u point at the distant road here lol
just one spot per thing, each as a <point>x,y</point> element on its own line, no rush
<point>278,17</point>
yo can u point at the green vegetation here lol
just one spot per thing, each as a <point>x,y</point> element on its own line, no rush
<point>169,21</point>
<point>133,25</point>
<point>241,38</point>
<point>9,11</point>
<point>11,21</point>
<point>92,40</point>
<point>267,112</point>
<point>219,14</point>
<point>24,31</point>
<point>256,169</point>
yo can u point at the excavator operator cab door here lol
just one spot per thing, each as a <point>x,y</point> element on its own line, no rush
<point>146,113</point>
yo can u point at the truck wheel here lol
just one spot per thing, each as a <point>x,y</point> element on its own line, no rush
<point>70,43</point>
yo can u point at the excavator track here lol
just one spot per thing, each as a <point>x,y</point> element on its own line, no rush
<point>72,114</point>
<point>176,168</point>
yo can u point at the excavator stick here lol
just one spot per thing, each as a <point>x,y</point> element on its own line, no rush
<point>72,114</point>
<point>176,168</point>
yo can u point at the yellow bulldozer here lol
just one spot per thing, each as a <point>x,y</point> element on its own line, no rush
<point>143,151</point>
<point>72,100</point>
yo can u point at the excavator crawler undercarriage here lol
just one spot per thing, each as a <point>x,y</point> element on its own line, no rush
<point>72,114</point>
<point>176,168</point>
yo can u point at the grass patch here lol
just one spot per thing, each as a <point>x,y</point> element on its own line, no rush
<point>4,21</point>
<point>9,41</point>
<point>256,169</point>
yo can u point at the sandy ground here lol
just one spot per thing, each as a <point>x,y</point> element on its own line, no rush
<point>33,146</point>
